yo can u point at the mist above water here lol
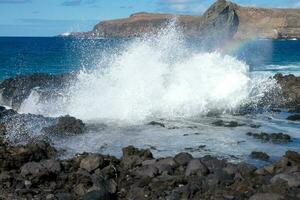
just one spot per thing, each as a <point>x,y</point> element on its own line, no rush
<point>156,76</point>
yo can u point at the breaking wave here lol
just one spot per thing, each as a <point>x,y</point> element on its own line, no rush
<point>157,76</point>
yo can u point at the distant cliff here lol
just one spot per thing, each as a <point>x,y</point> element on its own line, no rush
<point>223,19</point>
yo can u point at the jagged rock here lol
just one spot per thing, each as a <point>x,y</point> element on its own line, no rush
<point>165,165</point>
<point>273,137</point>
<point>52,166</point>
<point>213,163</point>
<point>293,179</point>
<point>16,157</point>
<point>227,124</point>
<point>293,156</point>
<point>259,155</point>
<point>196,167</point>
<point>290,86</point>
<point>16,90</point>
<point>91,163</point>
<point>133,157</point>
<point>183,158</point>
<point>33,169</point>
<point>66,125</point>
<point>147,171</point>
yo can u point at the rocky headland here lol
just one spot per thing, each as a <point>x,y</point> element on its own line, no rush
<point>222,21</point>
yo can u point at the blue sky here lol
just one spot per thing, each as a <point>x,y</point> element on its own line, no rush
<point>52,17</point>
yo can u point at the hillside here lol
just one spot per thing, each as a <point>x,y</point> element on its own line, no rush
<point>223,18</point>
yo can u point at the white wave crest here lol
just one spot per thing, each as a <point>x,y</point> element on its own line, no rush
<point>161,76</point>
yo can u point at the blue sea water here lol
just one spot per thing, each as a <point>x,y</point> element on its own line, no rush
<point>27,55</point>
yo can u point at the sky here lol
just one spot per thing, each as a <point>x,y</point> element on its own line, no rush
<point>53,17</point>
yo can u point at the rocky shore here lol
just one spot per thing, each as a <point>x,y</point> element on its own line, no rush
<point>33,171</point>
<point>36,171</point>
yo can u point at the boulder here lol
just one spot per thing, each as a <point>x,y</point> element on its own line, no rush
<point>259,155</point>
<point>66,125</point>
<point>290,87</point>
<point>272,137</point>
<point>293,179</point>
<point>33,169</point>
<point>52,166</point>
<point>183,158</point>
<point>133,157</point>
<point>91,163</point>
<point>196,167</point>
<point>16,90</point>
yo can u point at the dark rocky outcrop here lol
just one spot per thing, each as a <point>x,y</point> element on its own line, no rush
<point>14,91</point>
<point>227,123</point>
<point>259,155</point>
<point>290,86</point>
<point>271,137</point>
<point>66,125</point>
<point>34,172</point>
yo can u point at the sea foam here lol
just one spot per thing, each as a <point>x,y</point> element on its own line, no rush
<point>157,76</point>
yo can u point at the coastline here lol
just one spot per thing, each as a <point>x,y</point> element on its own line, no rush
<point>35,171</point>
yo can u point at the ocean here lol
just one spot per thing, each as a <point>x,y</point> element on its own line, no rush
<point>122,85</point>
<point>27,55</point>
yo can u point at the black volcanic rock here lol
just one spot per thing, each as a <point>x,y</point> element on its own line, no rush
<point>15,90</point>
<point>33,171</point>
<point>290,87</point>
<point>66,125</point>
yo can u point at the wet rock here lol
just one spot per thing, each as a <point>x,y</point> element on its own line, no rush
<point>66,125</point>
<point>183,158</point>
<point>15,157</point>
<point>147,171</point>
<point>294,117</point>
<point>255,126</point>
<point>266,196</point>
<point>6,112</point>
<point>213,163</point>
<point>227,124</point>
<point>246,170</point>
<point>16,90</point>
<point>293,179</point>
<point>293,156</point>
<point>33,169</point>
<point>154,123</point>
<point>91,163</point>
<point>195,167</point>
<point>273,137</point>
<point>133,157</point>
<point>52,166</point>
<point>290,87</point>
<point>259,155</point>
<point>165,165</point>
